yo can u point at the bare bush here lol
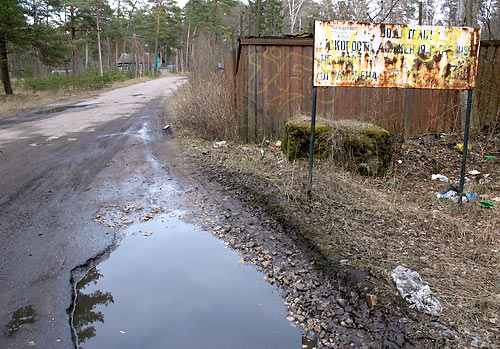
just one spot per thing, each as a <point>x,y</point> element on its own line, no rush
<point>204,105</point>
<point>209,54</point>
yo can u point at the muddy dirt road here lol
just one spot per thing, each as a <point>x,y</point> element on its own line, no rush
<point>57,168</point>
<point>106,239</point>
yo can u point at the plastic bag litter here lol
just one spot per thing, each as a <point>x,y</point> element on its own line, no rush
<point>443,178</point>
<point>416,291</point>
<point>469,196</point>
<point>440,177</point>
<point>448,195</point>
<point>453,195</point>
<point>219,144</point>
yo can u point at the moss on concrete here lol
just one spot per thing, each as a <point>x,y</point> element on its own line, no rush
<point>355,145</point>
<point>297,138</point>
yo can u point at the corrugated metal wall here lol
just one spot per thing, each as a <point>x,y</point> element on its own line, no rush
<point>273,81</point>
<point>487,101</point>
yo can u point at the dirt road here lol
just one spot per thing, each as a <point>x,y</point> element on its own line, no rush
<point>71,181</point>
<point>57,168</point>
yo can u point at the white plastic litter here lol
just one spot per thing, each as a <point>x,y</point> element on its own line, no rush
<point>440,177</point>
<point>416,291</point>
<point>219,144</point>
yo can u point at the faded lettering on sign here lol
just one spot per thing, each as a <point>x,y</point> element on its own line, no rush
<point>382,55</point>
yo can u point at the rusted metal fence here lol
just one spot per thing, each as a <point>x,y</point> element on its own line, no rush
<point>273,81</point>
<point>487,100</point>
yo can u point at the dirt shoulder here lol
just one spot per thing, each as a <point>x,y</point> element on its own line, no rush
<point>359,229</point>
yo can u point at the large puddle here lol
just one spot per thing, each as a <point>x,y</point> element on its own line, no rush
<point>172,286</point>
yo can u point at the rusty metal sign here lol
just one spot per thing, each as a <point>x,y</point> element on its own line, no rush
<point>405,56</point>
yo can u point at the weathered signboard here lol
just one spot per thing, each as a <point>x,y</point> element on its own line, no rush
<point>406,56</point>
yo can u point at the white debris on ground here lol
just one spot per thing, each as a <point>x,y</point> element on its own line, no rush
<point>440,177</point>
<point>416,291</point>
<point>220,144</point>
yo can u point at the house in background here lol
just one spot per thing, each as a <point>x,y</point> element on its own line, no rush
<point>126,62</point>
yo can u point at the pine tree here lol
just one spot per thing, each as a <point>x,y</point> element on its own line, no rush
<point>12,25</point>
<point>25,27</point>
<point>209,16</point>
<point>167,17</point>
<point>272,17</point>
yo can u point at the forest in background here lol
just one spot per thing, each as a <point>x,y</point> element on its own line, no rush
<point>43,37</point>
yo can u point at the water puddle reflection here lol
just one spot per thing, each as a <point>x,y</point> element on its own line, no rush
<point>171,286</point>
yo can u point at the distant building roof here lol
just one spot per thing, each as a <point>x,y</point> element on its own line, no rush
<point>126,58</point>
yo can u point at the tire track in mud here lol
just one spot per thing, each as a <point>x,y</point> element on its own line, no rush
<point>325,298</point>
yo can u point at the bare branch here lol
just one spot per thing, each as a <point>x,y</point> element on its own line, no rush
<point>372,19</point>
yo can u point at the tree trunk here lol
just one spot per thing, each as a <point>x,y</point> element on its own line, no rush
<point>149,61</point>
<point>128,25</point>
<point>186,51</point>
<point>73,38</point>
<point>420,13</point>
<point>5,66</point>
<point>37,64</point>
<point>177,59</point>
<point>109,51</point>
<point>98,38</point>
<point>86,55</point>
<point>192,46</point>
<point>258,25</point>
<point>134,55</point>
<point>125,40</point>
<point>116,50</point>
<point>116,36</point>
<point>156,40</point>
<point>216,14</point>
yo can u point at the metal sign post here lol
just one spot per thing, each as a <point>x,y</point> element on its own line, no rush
<point>311,146</point>
<point>394,55</point>
<point>466,144</point>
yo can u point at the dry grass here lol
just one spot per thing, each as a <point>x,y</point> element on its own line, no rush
<point>396,220</point>
<point>205,106</point>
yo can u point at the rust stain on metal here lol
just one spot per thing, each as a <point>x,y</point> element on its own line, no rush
<point>372,55</point>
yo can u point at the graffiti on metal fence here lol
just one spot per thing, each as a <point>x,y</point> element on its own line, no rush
<point>277,80</point>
